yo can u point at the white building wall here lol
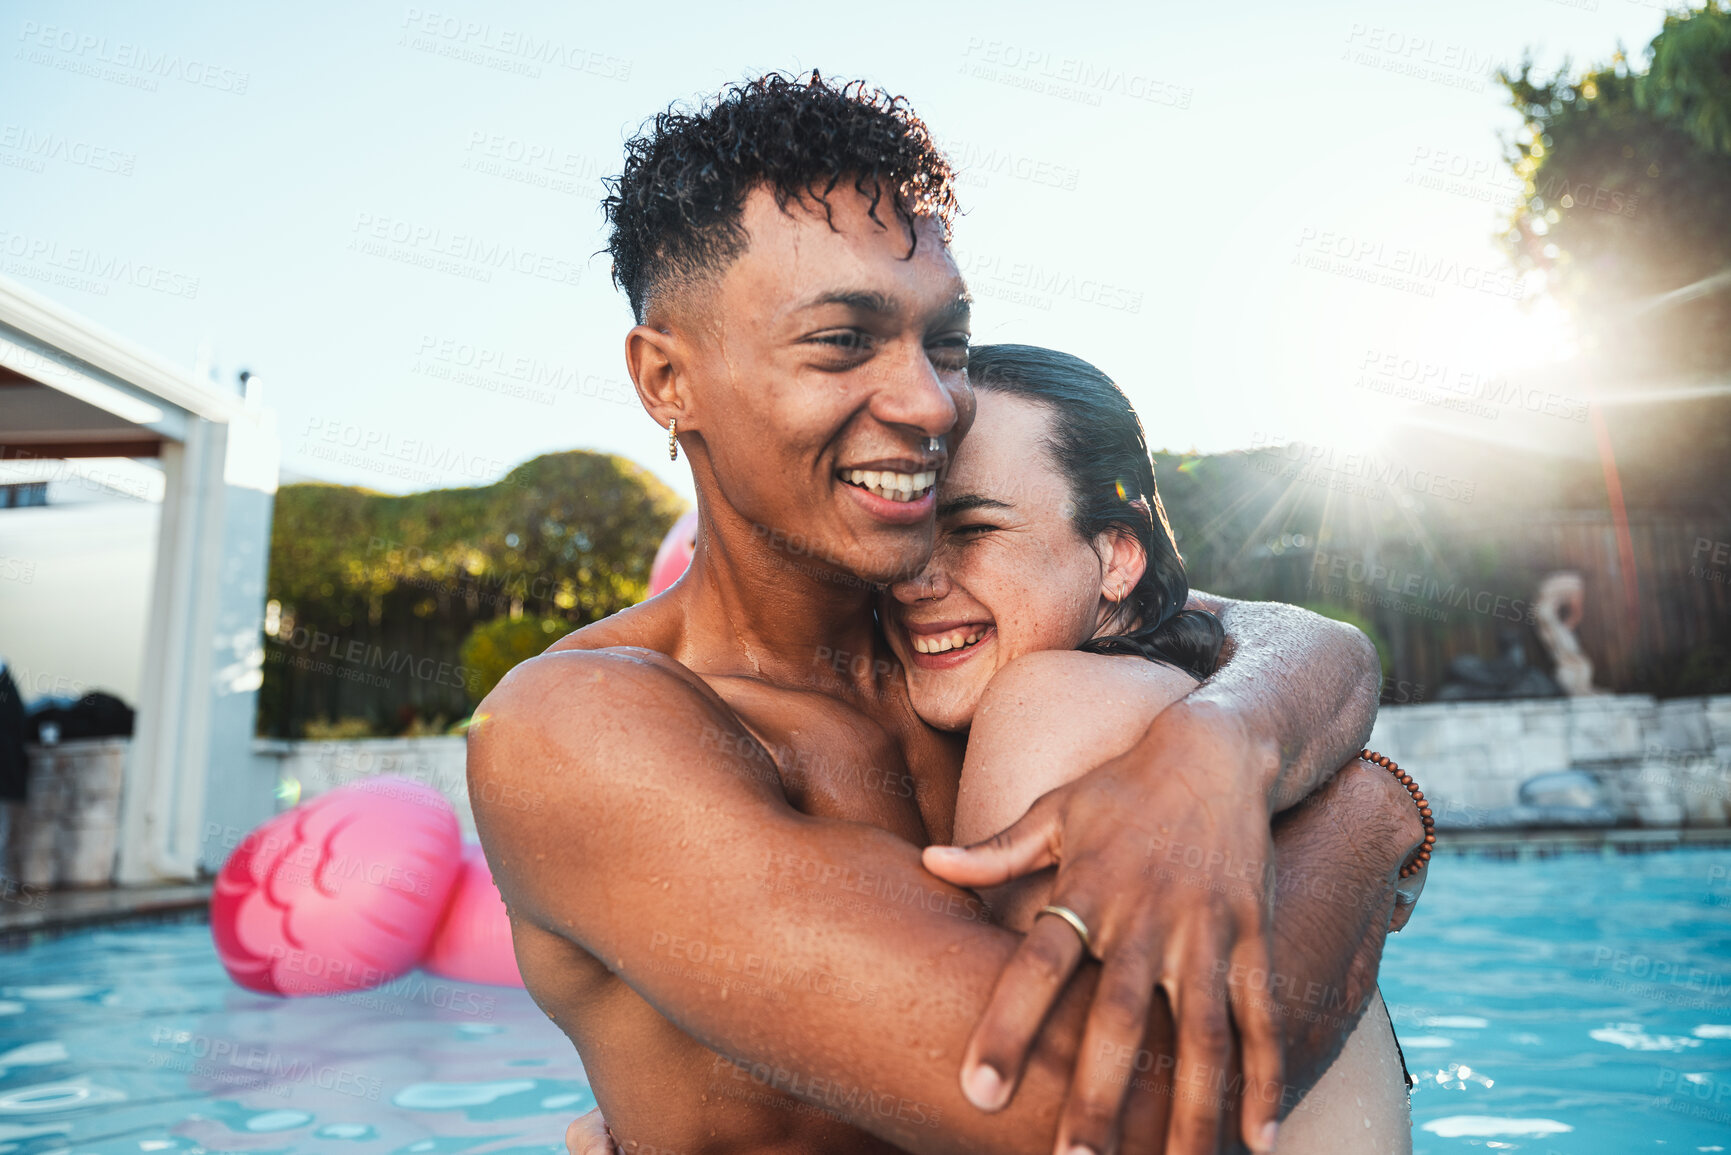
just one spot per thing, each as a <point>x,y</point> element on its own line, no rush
<point>74,595</point>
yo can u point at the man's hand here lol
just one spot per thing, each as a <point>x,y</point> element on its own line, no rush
<point>588,1135</point>
<point>1166,856</point>
<point>1406,894</point>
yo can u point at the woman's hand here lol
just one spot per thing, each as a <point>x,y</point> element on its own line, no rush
<point>1165,855</point>
<point>588,1135</point>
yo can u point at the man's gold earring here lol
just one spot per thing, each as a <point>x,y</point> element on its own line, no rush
<point>673,439</point>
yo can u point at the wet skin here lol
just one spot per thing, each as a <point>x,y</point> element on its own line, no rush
<point>735,784</point>
<point>988,634</point>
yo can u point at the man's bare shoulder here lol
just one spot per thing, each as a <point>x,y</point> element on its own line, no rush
<point>651,625</point>
<point>622,663</point>
<point>559,696</point>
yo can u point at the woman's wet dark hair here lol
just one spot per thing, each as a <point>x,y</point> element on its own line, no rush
<point>1097,442</point>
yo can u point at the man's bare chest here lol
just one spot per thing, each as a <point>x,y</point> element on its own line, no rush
<point>837,760</point>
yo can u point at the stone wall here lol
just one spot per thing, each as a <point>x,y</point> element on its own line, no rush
<point>1599,761</point>
<point>315,767</point>
<point>67,831</point>
<point>1608,759</point>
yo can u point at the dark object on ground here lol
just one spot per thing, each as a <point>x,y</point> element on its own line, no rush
<point>14,768</point>
<point>96,715</point>
<point>1471,678</point>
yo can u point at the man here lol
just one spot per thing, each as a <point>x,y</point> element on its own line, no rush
<point>724,903</point>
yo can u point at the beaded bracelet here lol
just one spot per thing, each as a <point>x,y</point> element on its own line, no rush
<point>1423,855</point>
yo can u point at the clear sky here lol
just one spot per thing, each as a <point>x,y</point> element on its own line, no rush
<point>390,211</point>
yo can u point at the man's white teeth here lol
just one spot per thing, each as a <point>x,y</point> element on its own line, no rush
<point>943,643</point>
<point>894,486</point>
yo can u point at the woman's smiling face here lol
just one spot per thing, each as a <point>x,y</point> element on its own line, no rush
<point>1009,576</point>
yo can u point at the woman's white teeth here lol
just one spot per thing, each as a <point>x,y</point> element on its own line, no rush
<point>894,486</point>
<point>943,643</point>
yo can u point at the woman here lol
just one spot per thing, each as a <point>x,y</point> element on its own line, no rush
<point>1050,626</point>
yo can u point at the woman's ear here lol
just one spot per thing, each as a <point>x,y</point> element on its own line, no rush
<point>1125,562</point>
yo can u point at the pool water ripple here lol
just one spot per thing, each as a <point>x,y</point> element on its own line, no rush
<point>1592,984</point>
<point>136,1040</point>
<point>1577,1005</point>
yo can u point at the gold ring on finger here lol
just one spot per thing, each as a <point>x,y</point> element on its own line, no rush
<point>1075,921</point>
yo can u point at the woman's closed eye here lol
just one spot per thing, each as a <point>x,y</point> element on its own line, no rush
<point>973,529</point>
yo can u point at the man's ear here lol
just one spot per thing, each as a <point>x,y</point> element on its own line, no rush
<point>1125,561</point>
<point>656,361</point>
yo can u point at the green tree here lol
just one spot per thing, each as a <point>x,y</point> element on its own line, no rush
<point>1627,197</point>
<point>563,540</point>
<point>493,648</point>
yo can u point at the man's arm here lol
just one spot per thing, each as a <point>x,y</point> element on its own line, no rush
<point>664,818</point>
<point>1295,699</point>
<point>1300,688</point>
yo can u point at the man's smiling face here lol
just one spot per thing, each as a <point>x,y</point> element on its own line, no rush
<point>820,367</point>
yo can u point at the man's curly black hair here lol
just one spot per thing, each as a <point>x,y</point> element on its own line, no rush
<point>676,209</point>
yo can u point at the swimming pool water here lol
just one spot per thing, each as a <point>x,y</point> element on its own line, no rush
<point>1578,1004</point>
<point>135,1040</point>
